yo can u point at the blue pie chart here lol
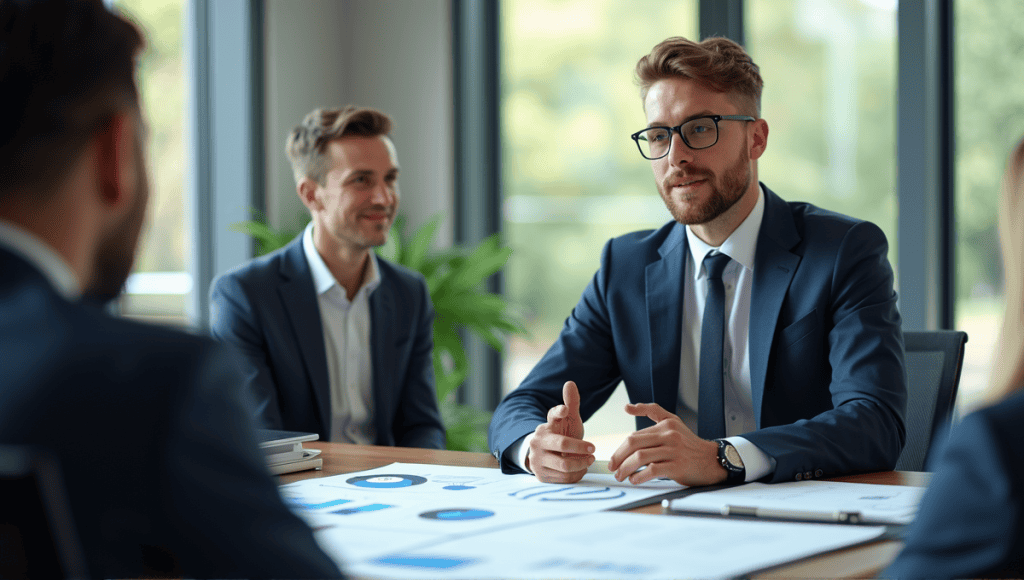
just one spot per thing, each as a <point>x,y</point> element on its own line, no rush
<point>457,514</point>
<point>386,481</point>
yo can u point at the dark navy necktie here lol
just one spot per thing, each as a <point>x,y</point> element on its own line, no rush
<point>710,411</point>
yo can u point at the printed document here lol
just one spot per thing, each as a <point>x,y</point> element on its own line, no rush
<point>875,504</point>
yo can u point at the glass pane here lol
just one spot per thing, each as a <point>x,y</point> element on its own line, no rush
<point>829,69</point>
<point>573,178</point>
<point>159,287</point>
<point>989,120</point>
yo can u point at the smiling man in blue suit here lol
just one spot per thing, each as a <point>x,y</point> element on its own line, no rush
<point>757,339</point>
<point>334,339</point>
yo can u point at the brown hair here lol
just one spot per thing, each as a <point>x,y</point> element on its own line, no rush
<point>66,67</point>
<point>307,142</point>
<point>1008,363</point>
<point>718,63</point>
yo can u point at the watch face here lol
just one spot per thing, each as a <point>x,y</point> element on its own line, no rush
<point>733,456</point>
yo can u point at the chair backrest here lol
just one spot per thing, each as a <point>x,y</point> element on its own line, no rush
<point>37,535</point>
<point>934,359</point>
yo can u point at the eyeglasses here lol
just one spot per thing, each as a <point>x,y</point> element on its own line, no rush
<point>700,133</point>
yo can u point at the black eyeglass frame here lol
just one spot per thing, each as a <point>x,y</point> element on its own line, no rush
<point>679,129</point>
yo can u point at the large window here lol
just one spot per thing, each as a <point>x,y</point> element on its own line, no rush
<point>572,176</point>
<point>989,121</point>
<point>160,284</point>
<point>829,70</point>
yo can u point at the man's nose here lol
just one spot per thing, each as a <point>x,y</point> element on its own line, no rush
<point>383,194</point>
<point>680,152</point>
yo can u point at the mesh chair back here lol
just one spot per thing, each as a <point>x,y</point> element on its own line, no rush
<point>933,362</point>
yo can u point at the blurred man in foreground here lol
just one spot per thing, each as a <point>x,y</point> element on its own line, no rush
<point>158,454</point>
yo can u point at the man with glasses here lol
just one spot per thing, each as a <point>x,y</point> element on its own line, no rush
<point>757,339</point>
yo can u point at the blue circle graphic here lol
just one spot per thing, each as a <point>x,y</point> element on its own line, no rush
<point>457,514</point>
<point>386,481</point>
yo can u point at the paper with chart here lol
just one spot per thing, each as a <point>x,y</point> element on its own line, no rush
<point>413,504</point>
<point>884,504</point>
<point>616,545</point>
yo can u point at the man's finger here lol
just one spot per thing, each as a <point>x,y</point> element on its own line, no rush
<point>558,443</point>
<point>557,413</point>
<point>564,463</point>
<point>571,396</point>
<point>641,459</point>
<point>549,476</point>
<point>652,411</point>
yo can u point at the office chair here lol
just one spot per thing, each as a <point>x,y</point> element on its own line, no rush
<point>934,359</point>
<point>37,536</point>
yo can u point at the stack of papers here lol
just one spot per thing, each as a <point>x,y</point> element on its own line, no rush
<point>416,521</point>
<point>822,501</point>
<point>284,453</point>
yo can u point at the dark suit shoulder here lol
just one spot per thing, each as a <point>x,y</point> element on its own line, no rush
<point>641,247</point>
<point>1003,421</point>
<point>260,268</point>
<point>392,273</point>
<point>822,226</point>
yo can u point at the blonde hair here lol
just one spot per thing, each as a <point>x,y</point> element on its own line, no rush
<point>1008,363</point>
<point>718,63</point>
<point>308,142</point>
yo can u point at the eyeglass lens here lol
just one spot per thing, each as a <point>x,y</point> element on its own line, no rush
<point>697,134</point>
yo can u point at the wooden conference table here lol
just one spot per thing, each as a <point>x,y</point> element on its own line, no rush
<point>859,562</point>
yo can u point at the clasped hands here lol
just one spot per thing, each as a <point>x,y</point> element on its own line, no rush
<point>668,449</point>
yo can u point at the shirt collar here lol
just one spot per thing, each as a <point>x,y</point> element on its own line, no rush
<point>741,244</point>
<point>323,280</point>
<point>43,257</point>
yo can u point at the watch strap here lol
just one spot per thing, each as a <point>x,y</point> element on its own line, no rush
<point>734,473</point>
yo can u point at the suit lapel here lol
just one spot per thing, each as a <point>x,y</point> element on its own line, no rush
<point>382,309</point>
<point>299,299</point>
<point>774,267</point>
<point>664,288</point>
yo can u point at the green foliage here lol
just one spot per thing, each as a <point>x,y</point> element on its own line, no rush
<point>456,279</point>
<point>465,426</point>
<point>267,238</point>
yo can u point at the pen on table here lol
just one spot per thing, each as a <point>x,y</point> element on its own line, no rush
<point>784,514</point>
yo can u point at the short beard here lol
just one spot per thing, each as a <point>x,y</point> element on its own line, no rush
<point>116,252</point>
<point>734,183</point>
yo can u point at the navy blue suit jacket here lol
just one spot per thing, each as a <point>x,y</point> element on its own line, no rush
<point>971,520</point>
<point>268,310</point>
<point>826,349</point>
<point>158,453</point>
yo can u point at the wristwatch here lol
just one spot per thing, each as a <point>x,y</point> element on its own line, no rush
<point>729,457</point>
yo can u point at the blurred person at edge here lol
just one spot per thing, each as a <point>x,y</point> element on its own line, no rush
<point>157,450</point>
<point>971,520</point>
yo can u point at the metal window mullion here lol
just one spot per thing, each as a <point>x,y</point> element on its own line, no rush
<point>475,46</point>
<point>721,18</point>
<point>925,164</point>
<point>225,180</point>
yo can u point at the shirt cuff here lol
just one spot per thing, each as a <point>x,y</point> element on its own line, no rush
<point>756,462</point>
<point>518,451</point>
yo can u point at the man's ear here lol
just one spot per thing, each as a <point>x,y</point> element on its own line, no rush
<point>306,188</point>
<point>759,138</point>
<point>116,166</point>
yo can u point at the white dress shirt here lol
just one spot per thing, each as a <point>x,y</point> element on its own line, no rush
<point>738,278</point>
<point>346,329</point>
<point>43,257</point>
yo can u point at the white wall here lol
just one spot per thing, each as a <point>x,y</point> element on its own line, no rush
<point>393,55</point>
